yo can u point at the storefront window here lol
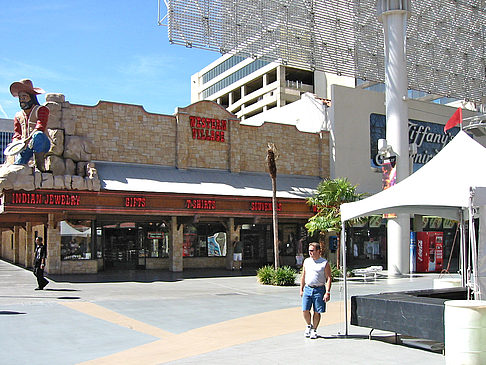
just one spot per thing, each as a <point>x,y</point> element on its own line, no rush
<point>217,244</point>
<point>75,240</point>
<point>287,241</point>
<point>203,240</point>
<point>158,243</point>
<point>367,242</point>
<point>190,241</point>
<point>99,243</point>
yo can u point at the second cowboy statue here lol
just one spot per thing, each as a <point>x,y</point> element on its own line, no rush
<point>30,124</point>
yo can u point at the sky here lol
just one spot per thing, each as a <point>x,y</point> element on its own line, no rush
<point>92,50</point>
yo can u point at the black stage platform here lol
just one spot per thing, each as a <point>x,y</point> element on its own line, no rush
<point>418,313</point>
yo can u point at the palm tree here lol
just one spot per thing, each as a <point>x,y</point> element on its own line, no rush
<point>329,196</point>
<point>272,155</point>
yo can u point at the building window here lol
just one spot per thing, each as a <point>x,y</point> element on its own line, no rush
<point>222,67</point>
<point>5,139</point>
<point>75,240</point>
<point>234,77</point>
<point>204,240</point>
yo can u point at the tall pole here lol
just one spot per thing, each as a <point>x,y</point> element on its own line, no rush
<point>345,277</point>
<point>394,14</point>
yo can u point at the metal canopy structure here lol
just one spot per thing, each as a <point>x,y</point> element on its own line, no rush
<point>446,39</point>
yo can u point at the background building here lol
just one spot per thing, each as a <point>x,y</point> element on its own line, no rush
<point>6,134</point>
<point>247,86</point>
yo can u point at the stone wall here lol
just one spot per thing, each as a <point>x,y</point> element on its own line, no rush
<point>204,262</point>
<point>7,249</point>
<point>79,267</point>
<point>157,263</point>
<point>298,153</point>
<point>129,134</point>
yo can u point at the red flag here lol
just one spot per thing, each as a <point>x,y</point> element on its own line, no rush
<point>454,120</point>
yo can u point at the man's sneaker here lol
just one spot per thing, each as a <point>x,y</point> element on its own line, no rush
<point>308,331</point>
<point>313,334</point>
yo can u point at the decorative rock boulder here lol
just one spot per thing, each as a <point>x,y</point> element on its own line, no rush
<point>55,97</point>
<point>68,160</point>
<point>57,141</point>
<point>67,181</point>
<point>55,115</point>
<point>56,165</point>
<point>77,148</point>
<point>59,182</point>
<point>47,180</point>
<point>78,183</point>
<point>70,167</point>
<point>68,123</point>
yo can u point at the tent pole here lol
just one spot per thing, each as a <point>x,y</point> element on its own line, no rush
<point>462,251</point>
<point>343,250</point>
<point>469,250</point>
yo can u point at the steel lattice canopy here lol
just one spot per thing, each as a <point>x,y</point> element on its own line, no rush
<point>446,39</point>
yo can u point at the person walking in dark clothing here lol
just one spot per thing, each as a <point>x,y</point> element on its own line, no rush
<point>40,263</point>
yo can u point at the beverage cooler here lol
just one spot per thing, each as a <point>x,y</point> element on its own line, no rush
<point>429,254</point>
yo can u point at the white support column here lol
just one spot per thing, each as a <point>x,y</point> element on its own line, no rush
<point>394,14</point>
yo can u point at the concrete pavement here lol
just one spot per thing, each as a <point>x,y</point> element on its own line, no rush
<point>195,317</point>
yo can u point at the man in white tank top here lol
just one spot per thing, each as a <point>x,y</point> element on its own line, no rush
<point>315,288</point>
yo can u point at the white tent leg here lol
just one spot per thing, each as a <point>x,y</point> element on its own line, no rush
<point>343,250</point>
<point>473,252</point>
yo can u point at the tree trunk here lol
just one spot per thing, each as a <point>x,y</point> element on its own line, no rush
<point>338,252</point>
<point>272,169</point>
<point>275,223</point>
<point>324,247</point>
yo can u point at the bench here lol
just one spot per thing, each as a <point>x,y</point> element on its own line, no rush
<point>368,271</point>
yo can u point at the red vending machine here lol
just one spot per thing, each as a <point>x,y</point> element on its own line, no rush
<point>430,251</point>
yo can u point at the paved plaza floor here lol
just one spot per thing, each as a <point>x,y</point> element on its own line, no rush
<point>195,317</point>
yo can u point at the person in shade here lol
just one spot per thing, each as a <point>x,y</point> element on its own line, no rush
<point>315,288</point>
<point>30,124</point>
<point>237,255</point>
<point>40,256</point>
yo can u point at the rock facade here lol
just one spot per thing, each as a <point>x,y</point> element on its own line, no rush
<point>68,162</point>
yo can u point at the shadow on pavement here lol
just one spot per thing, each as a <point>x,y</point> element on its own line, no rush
<point>148,276</point>
<point>9,313</point>
<point>50,289</point>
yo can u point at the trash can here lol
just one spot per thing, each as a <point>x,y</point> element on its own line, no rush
<point>465,332</point>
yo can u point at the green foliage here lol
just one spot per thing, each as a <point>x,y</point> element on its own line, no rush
<point>335,272</point>
<point>265,275</point>
<point>328,198</point>
<point>282,276</point>
<point>338,273</point>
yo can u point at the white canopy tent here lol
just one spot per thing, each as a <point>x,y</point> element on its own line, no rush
<point>441,187</point>
<point>447,186</point>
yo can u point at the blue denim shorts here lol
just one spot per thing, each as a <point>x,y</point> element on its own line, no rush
<point>314,297</point>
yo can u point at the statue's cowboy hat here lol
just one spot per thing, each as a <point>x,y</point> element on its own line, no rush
<point>25,85</point>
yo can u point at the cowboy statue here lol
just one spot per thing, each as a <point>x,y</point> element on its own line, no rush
<point>30,125</point>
